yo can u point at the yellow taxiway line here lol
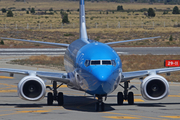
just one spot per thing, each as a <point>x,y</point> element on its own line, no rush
<point>7,91</point>
<point>31,111</point>
<point>173,117</point>
<point>136,100</point>
<point>132,116</point>
<point>121,117</point>
<point>6,77</point>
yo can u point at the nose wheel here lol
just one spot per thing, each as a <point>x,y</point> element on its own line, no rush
<point>129,96</point>
<point>99,106</point>
<point>55,96</point>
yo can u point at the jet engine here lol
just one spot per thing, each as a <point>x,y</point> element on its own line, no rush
<point>154,87</point>
<point>31,88</point>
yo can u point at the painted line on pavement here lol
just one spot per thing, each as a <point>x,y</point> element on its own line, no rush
<point>6,77</point>
<point>173,95</point>
<point>136,100</point>
<point>174,117</point>
<point>138,116</point>
<point>5,84</point>
<point>7,91</point>
<point>30,111</point>
<point>120,117</point>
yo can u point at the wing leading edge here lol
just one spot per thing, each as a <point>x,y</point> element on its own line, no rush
<point>138,74</point>
<point>59,77</point>
<point>112,43</point>
<point>39,42</point>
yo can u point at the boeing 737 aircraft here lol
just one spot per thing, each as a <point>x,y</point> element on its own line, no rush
<point>94,68</point>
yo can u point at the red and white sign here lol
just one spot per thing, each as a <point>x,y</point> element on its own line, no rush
<point>172,63</point>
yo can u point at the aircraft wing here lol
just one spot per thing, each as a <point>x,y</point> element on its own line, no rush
<point>124,41</point>
<point>138,74</point>
<point>39,42</point>
<point>59,77</point>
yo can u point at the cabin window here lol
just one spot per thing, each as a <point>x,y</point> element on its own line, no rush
<point>106,62</point>
<point>95,62</point>
<point>87,63</point>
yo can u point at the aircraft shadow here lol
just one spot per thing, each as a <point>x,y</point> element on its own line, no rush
<point>77,103</point>
<point>82,103</point>
<point>24,105</point>
<point>86,104</point>
<point>156,104</point>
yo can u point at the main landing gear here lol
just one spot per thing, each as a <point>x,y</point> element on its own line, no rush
<point>99,106</point>
<point>129,96</point>
<point>55,96</point>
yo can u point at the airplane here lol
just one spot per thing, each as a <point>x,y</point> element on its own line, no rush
<point>92,67</point>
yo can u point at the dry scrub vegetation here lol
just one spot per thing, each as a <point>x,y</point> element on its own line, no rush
<point>130,63</point>
<point>105,35</point>
<point>42,61</point>
<point>93,10</point>
<point>96,16</point>
<point>73,5</point>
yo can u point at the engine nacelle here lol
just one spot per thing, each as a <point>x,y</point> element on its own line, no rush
<point>31,88</point>
<point>154,87</point>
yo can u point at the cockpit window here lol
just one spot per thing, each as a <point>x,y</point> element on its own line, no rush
<point>106,62</point>
<point>99,62</point>
<point>95,62</point>
<point>113,63</point>
<point>87,63</point>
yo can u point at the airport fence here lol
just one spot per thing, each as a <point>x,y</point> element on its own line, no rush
<point>121,24</point>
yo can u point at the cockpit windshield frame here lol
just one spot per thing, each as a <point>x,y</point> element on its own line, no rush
<point>99,62</point>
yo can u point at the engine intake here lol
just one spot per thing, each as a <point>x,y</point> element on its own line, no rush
<point>31,88</point>
<point>154,87</point>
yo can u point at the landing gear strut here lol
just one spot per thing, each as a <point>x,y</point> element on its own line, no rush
<point>129,96</point>
<point>55,96</point>
<point>99,106</point>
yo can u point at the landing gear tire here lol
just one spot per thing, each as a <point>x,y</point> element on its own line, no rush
<point>120,98</point>
<point>130,98</point>
<point>60,99</point>
<point>102,106</point>
<point>97,107</point>
<point>55,96</point>
<point>50,98</point>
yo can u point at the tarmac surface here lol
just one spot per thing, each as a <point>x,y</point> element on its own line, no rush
<point>81,106</point>
<point>149,50</point>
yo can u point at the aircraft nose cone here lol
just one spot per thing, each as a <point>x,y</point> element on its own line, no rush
<point>102,73</point>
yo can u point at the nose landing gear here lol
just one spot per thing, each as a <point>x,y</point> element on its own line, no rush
<point>99,106</point>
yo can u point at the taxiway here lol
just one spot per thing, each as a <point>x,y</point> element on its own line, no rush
<point>79,105</point>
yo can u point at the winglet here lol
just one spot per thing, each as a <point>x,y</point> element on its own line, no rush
<point>82,30</point>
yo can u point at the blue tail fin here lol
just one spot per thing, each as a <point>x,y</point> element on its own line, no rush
<point>83,33</point>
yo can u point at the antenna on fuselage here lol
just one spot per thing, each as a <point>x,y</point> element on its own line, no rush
<point>82,30</point>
